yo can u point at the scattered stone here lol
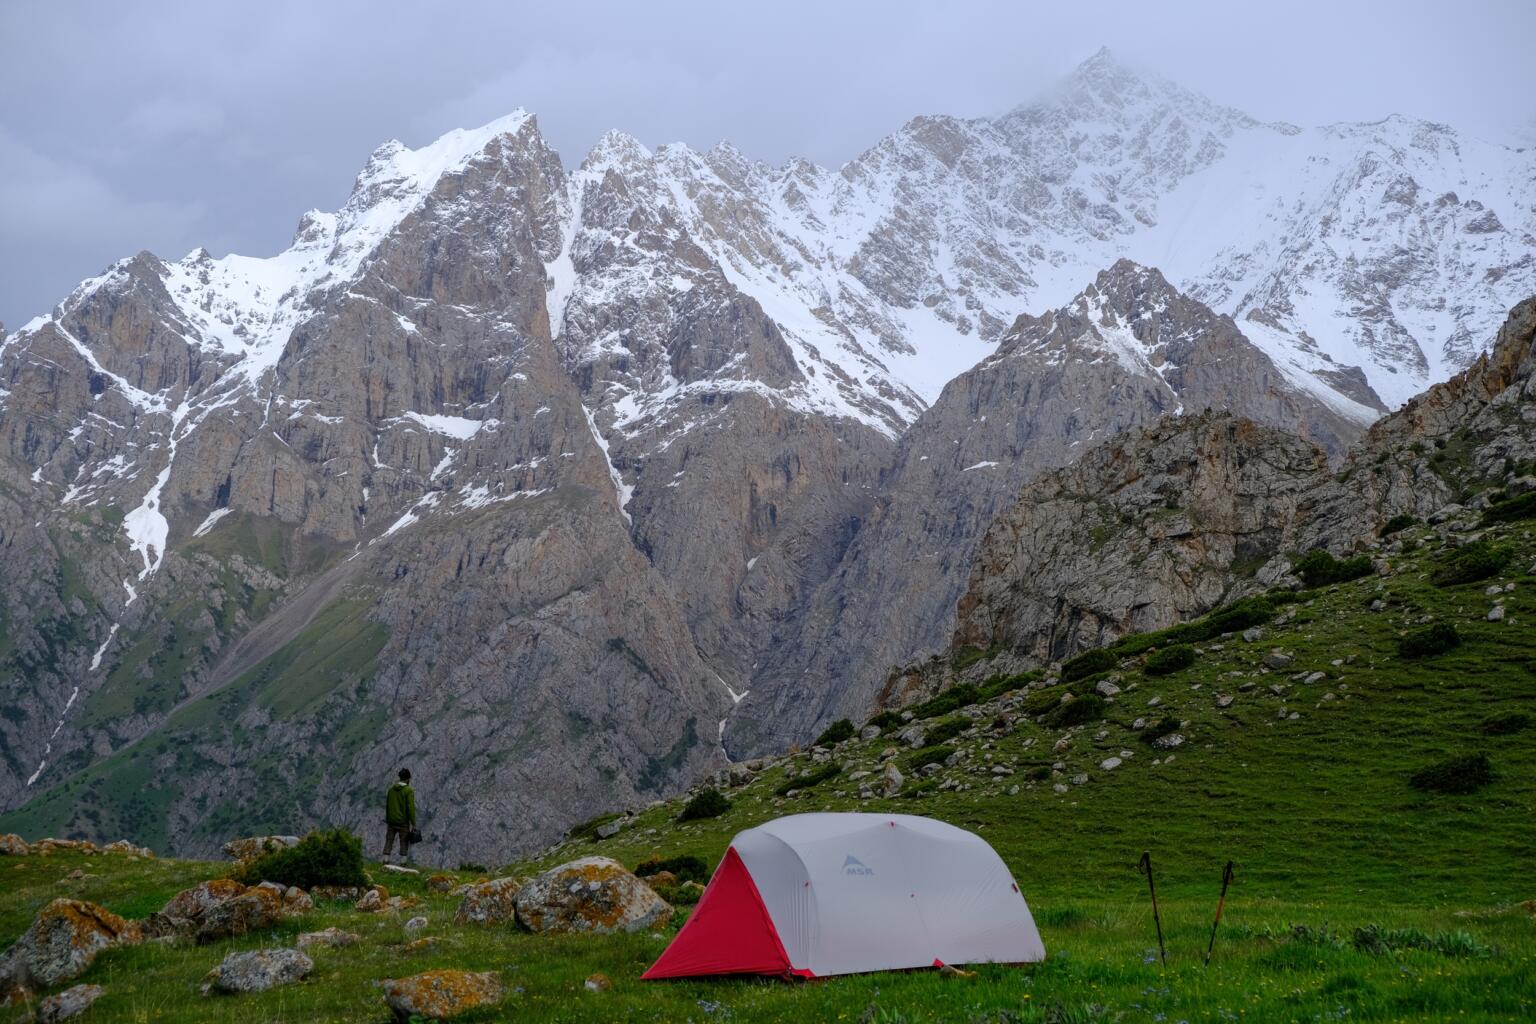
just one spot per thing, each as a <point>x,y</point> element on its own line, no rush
<point>329,937</point>
<point>593,894</point>
<point>1109,764</point>
<point>609,829</point>
<point>259,970</point>
<point>1105,688</point>
<point>1138,725</point>
<point>441,883</point>
<point>1059,788</point>
<point>1155,702</point>
<point>124,846</point>
<point>1079,779</point>
<point>893,779</point>
<point>417,945</point>
<point>1253,634</point>
<point>296,901</point>
<point>66,1005</point>
<point>1496,613</point>
<point>439,995</point>
<point>597,983</point>
<point>1224,700</point>
<point>372,901</point>
<point>1062,745</point>
<point>912,736</point>
<point>336,893</point>
<point>1168,742</point>
<point>252,847</point>
<point>61,944</point>
<point>1277,659</point>
<point>869,732</point>
<point>401,869</point>
<point>12,845</point>
<point>255,909</point>
<point>1495,589</point>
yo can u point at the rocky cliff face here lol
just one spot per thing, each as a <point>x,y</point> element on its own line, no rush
<point>1157,526</point>
<point>1126,352</point>
<point>524,474</point>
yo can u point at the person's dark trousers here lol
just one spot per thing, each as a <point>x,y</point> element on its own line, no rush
<point>404,832</point>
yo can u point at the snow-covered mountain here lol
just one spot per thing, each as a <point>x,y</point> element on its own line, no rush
<point>625,438</point>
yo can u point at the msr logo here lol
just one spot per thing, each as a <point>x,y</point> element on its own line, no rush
<point>853,866</point>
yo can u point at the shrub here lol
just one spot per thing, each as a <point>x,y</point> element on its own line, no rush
<point>1505,725</point>
<point>1429,641</point>
<point>1376,940</point>
<point>677,895</point>
<point>1089,663</point>
<point>965,657</point>
<point>840,730</point>
<point>953,699</point>
<point>686,867</point>
<point>928,755</point>
<point>816,778</point>
<point>1511,509</point>
<point>332,857</point>
<point>1235,617</point>
<point>1170,659</point>
<point>885,720</point>
<point>999,685</point>
<point>1397,523</point>
<point>1459,775</point>
<point>1087,708</point>
<point>1318,568</point>
<point>1041,703</point>
<point>1165,726</point>
<point>1470,563</point>
<point>707,803</point>
<point>946,729</point>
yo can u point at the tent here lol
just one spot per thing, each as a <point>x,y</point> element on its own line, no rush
<point>820,894</point>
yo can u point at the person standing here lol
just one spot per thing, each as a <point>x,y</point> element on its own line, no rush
<point>400,815</point>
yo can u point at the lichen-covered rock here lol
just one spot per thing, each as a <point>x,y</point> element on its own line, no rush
<point>124,846</point>
<point>13,846</point>
<point>328,937</point>
<point>593,894</point>
<point>441,883</point>
<point>439,995</point>
<point>191,904</point>
<point>493,902</point>
<point>259,970</point>
<point>335,893</point>
<point>251,847</point>
<point>61,943</point>
<point>296,901</point>
<point>253,910</point>
<point>67,1005</point>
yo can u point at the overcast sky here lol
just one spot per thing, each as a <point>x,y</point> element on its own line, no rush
<point>164,126</point>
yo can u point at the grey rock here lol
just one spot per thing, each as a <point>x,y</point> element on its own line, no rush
<point>68,1004</point>
<point>260,970</point>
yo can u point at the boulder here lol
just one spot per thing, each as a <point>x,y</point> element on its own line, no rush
<point>191,904</point>
<point>255,909</point>
<point>661,880</point>
<point>593,894</point>
<point>124,846</point>
<point>335,893</point>
<point>440,995</point>
<point>597,983</point>
<point>493,902</point>
<point>252,847</point>
<point>892,778</point>
<point>415,924</point>
<point>60,945</point>
<point>13,846</point>
<point>1277,659</point>
<point>67,1005</point>
<point>259,970</point>
<point>441,883</point>
<point>328,937</point>
<point>296,901</point>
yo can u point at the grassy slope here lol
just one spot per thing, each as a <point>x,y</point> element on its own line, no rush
<point>1316,813</point>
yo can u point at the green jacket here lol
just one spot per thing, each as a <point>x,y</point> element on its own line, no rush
<point>400,805</point>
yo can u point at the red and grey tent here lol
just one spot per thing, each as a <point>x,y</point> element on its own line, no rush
<point>820,894</point>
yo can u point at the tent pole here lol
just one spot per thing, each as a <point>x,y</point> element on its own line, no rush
<point>1145,867</point>
<point>1226,880</point>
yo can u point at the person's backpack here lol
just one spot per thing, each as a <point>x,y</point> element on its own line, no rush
<point>414,836</point>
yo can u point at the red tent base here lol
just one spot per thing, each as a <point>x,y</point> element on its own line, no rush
<point>729,932</point>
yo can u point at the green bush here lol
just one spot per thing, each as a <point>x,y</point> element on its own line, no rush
<point>1511,509</point>
<point>885,720</point>
<point>928,755</point>
<point>946,729</point>
<point>1041,703</point>
<point>1235,617</point>
<point>840,730</point>
<point>1088,708</point>
<point>1376,940</point>
<point>1397,523</point>
<point>959,696</point>
<point>965,657</point>
<point>1165,726</point>
<point>1470,563</point>
<point>1458,775</point>
<point>999,685</point>
<point>708,803</point>
<point>677,895</point>
<point>1429,641</point>
<point>331,857</point>
<point>686,867</point>
<point>1319,569</point>
<point>1089,663</point>
<point>1506,725</point>
<point>816,777</point>
<point>1170,659</point>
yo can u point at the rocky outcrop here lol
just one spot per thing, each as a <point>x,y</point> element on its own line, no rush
<point>592,894</point>
<point>1139,534</point>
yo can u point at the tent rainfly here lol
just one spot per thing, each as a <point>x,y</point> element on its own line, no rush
<point>821,894</point>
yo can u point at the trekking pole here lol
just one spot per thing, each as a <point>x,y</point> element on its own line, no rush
<point>1145,867</point>
<point>1226,880</point>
